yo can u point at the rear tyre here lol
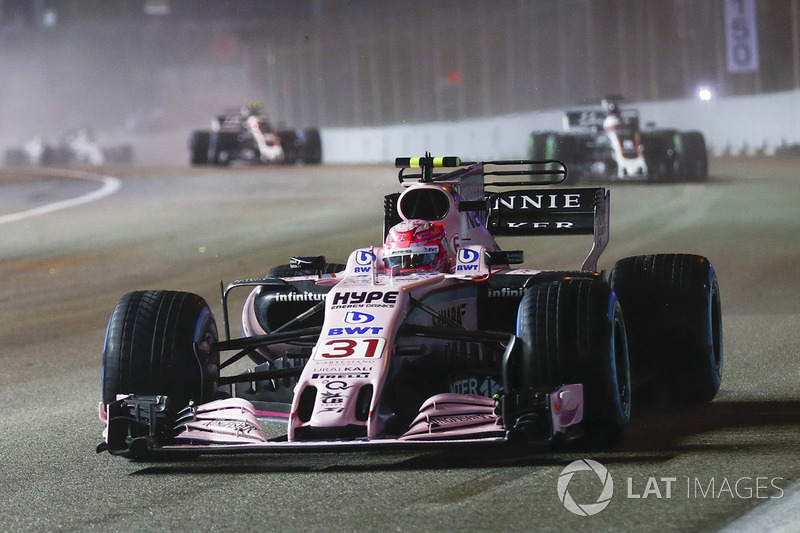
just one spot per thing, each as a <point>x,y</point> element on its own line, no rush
<point>661,154</point>
<point>161,342</point>
<point>290,145</point>
<point>674,316</point>
<point>198,147</point>
<point>222,146</point>
<point>537,145</point>
<point>572,331</point>
<point>16,158</point>
<point>313,148</point>
<point>693,156</point>
<point>552,145</point>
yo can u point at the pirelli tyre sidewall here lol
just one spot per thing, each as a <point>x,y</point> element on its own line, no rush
<point>673,308</point>
<point>573,331</point>
<point>161,342</point>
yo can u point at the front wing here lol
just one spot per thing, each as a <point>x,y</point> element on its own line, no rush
<point>150,427</point>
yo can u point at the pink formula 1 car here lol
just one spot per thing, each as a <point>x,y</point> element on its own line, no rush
<point>430,340</point>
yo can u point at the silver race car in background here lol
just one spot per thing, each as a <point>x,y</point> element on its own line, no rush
<point>431,339</point>
<point>77,147</point>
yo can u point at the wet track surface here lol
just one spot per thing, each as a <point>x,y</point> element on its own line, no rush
<point>179,228</point>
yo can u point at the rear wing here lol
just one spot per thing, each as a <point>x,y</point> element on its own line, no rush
<point>230,121</point>
<point>563,211</point>
<point>590,120</point>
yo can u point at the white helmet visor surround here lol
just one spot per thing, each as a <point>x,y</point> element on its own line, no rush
<point>414,257</point>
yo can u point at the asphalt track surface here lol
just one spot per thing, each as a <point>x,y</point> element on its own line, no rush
<point>733,462</point>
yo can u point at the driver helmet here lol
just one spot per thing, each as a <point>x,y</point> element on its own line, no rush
<point>416,245</point>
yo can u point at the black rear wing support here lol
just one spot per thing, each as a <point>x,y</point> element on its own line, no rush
<point>601,229</point>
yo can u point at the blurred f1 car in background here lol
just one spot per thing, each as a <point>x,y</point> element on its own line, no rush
<point>78,147</point>
<point>607,143</point>
<point>431,339</point>
<point>247,135</point>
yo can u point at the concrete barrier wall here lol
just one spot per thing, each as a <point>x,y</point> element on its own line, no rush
<point>741,125</point>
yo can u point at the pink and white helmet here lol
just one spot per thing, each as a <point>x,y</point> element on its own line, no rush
<point>416,245</point>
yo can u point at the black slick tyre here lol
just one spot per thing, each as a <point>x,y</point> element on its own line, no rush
<point>290,145</point>
<point>694,156</point>
<point>661,154</point>
<point>222,146</point>
<point>674,316</point>
<point>161,342</point>
<point>537,146</point>
<point>198,147</point>
<point>551,145</point>
<point>572,331</point>
<point>313,147</point>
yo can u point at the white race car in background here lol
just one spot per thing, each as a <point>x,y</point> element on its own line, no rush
<point>608,143</point>
<point>247,135</point>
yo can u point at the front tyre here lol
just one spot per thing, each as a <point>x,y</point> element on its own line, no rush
<point>161,342</point>
<point>673,306</point>
<point>572,331</point>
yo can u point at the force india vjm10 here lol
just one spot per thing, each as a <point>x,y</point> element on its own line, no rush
<point>431,339</point>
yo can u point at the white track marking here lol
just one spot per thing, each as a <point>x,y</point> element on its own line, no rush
<point>778,515</point>
<point>110,185</point>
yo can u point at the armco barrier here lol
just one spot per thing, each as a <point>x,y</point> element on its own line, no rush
<point>742,125</point>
